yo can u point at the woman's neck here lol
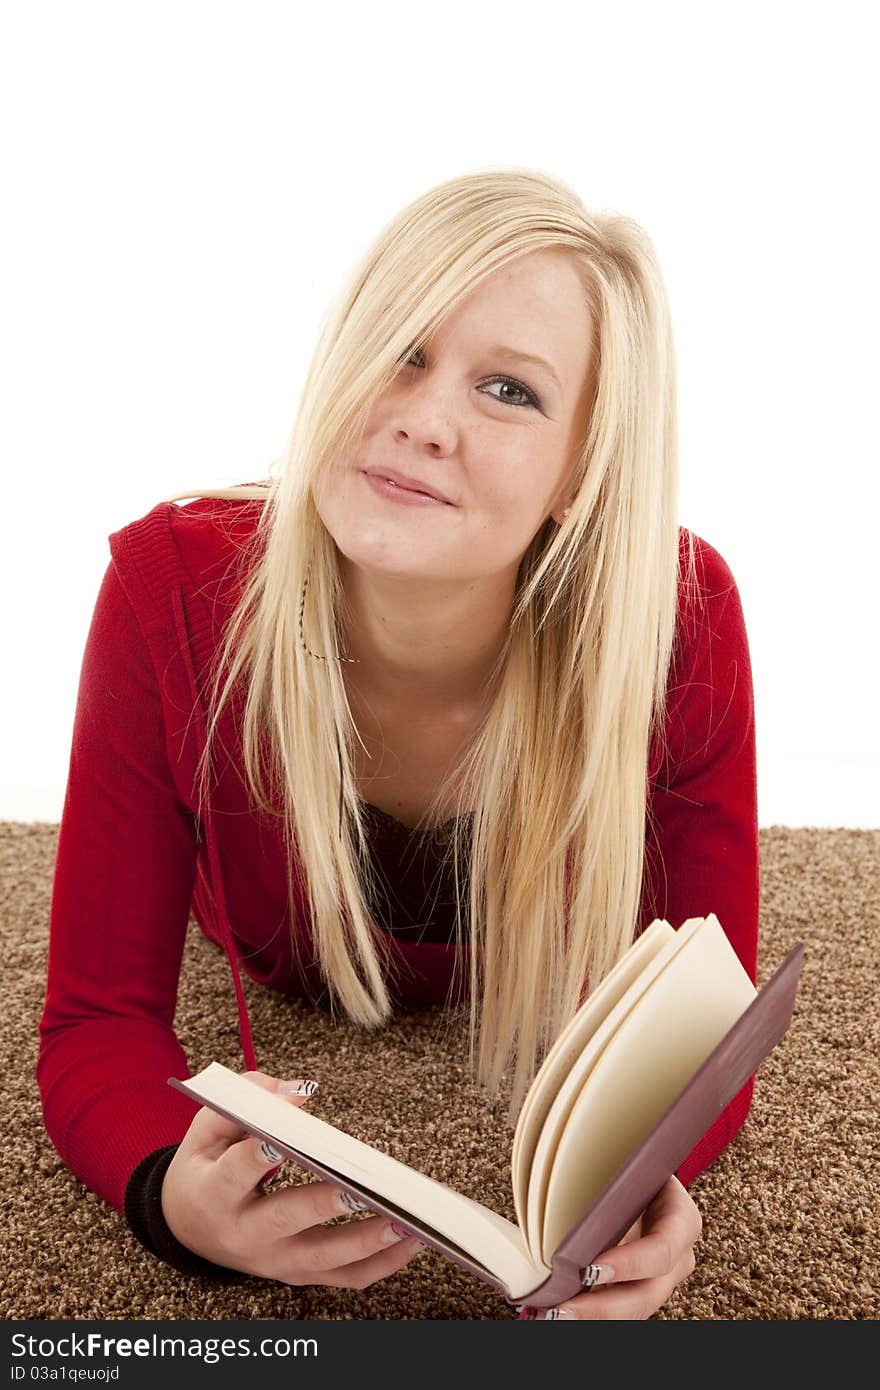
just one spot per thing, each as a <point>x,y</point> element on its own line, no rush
<point>416,648</point>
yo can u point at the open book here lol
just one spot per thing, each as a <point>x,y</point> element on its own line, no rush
<point>631,1084</point>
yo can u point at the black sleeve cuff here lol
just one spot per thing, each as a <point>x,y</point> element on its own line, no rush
<point>143,1212</point>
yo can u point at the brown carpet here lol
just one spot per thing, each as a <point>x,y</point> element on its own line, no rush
<point>790,1227</point>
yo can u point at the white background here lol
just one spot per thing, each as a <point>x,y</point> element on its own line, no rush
<point>187,183</point>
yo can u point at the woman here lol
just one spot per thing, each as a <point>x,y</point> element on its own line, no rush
<point>463,617</point>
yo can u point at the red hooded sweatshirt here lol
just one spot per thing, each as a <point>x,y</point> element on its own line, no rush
<point>134,860</point>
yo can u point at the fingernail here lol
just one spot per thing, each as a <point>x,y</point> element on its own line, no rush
<point>298,1087</point>
<point>392,1233</point>
<point>348,1202</point>
<point>270,1153</point>
<point>554,1314</point>
<point>596,1274</point>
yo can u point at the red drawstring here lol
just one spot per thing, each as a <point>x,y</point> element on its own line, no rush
<point>213,857</point>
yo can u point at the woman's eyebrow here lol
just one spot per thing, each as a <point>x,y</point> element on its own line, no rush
<point>514,354</point>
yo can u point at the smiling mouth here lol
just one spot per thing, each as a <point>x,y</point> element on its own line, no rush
<point>417,491</point>
<point>383,481</point>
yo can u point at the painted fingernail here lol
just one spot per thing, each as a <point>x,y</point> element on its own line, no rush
<point>298,1087</point>
<point>270,1153</point>
<point>392,1233</point>
<point>348,1202</point>
<point>596,1274</point>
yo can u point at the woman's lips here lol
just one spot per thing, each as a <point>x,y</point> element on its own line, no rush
<point>404,496</point>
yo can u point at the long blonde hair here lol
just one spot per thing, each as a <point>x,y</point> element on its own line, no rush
<point>557,774</point>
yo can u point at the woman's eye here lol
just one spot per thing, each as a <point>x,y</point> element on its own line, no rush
<point>531,400</point>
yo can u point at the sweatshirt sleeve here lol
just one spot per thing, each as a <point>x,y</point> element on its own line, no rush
<point>123,882</point>
<point>702,851</point>
<point>143,1211</point>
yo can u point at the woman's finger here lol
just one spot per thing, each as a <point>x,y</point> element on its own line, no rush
<point>335,1248</point>
<point>670,1227</point>
<point>631,1301</point>
<point>211,1134</point>
<point>361,1273</point>
<point>652,1259</point>
<point>290,1210</point>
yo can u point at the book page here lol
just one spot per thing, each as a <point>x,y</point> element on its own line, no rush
<point>562,1056</point>
<point>661,1043</point>
<point>671,944</point>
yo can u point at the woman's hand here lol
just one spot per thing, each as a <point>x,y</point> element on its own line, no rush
<point>652,1259</point>
<point>213,1203</point>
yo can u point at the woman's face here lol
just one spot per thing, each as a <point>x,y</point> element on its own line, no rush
<point>489,430</point>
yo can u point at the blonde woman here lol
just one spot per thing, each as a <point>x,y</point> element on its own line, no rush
<point>459,633</point>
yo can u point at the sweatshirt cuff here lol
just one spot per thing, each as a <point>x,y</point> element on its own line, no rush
<point>143,1212</point>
